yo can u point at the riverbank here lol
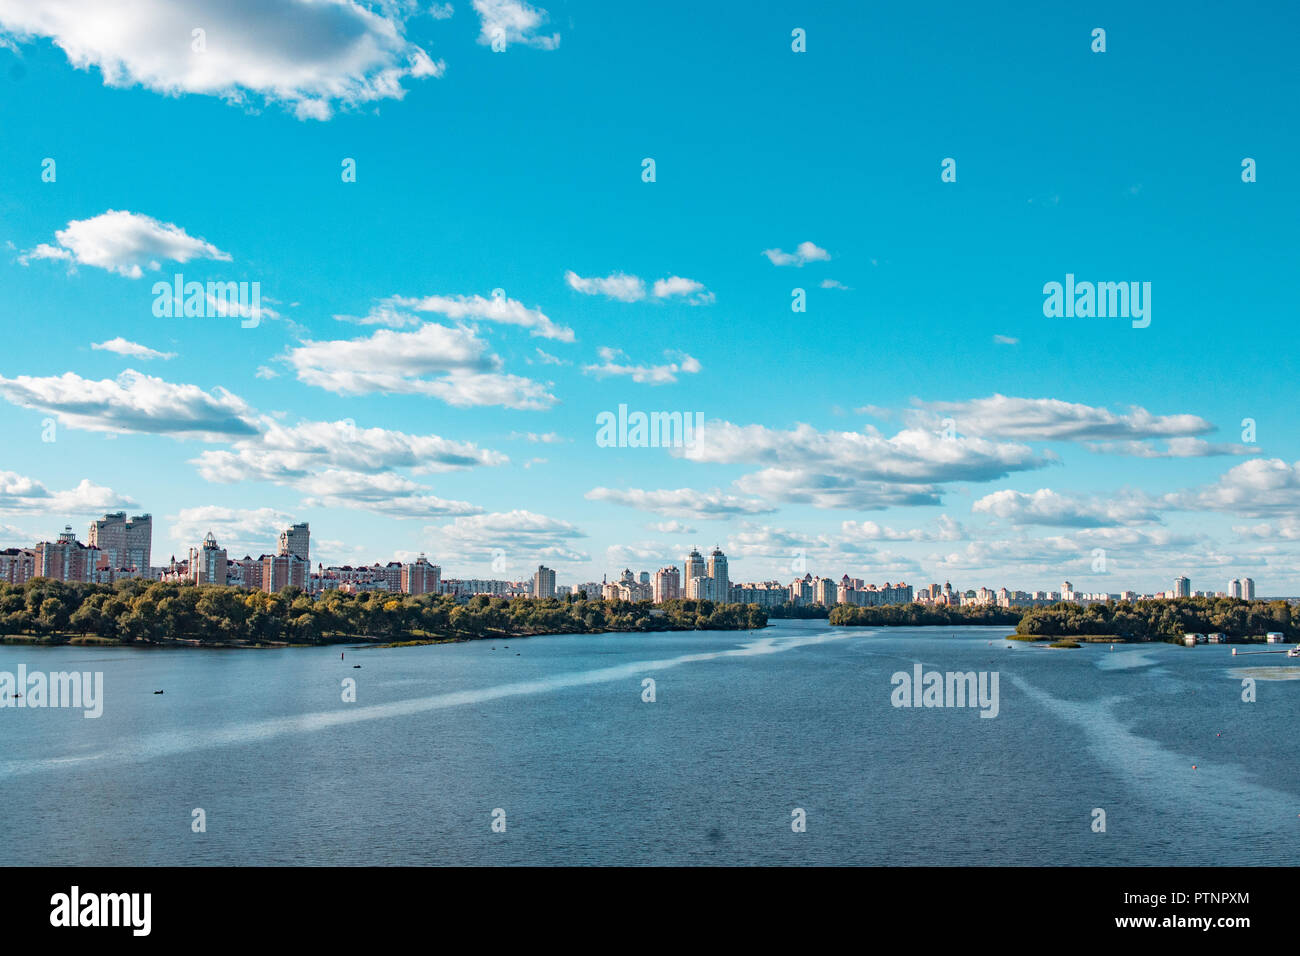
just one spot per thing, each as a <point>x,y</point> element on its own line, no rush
<point>353,640</point>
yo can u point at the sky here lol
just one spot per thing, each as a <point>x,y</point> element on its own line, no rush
<point>462,259</point>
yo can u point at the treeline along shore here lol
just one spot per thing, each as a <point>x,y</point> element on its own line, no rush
<point>155,613</point>
<point>1156,619</point>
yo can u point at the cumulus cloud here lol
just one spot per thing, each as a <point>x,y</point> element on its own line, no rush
<point>514,541</point>
<point>1173,448</point>
<point>783,555</point>
<point>513,21</point>
<point>22,495</point>
<point>287,453</point>
<point>121,346</point>
<point>451,364</point>
<point>386,493</point>
<point>339,465</point>
<point>841,469</point>
<point>628,288</point>
<point>671,527</point>
<point>804,253</point>
<point>1049,419</point>
<point>134,402</point>
<point>311,57</point>
<point>1261,487</point>
<point>681,502</point>
<point>681,364</point>
<point>498,309</point>
<point>624,288</point>
<point>948,530</point>
<point>1047,507</point>
<point>124,242</point>
<point>676,286</point>
<point>252,531</point>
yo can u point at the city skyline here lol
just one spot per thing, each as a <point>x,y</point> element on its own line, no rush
<point>445,350</point>
<point>699,578</point>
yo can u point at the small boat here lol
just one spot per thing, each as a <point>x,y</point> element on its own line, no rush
<point>157,692</point>
<point>356,667</point>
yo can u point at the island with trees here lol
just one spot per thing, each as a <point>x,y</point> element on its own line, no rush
<point>141,612</point>
<point>1162,619</point>
<point>924,615</point>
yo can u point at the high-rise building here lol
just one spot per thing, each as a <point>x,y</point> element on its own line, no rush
<point>123,542</point>
<point>245,573</point>
<point>543,582</point>
<point>801,590</point>
<point>1234,588</point>
<point>824,591</point>
<point>1182,587</point>
<point>17,565</point>
<point>208,563</point>
<point>421,577</point>
<point>667,585</point>
<point>280,571</point>
<point>1248,588</point>
<point>296,539</point>
<point>719,574</point>
<point>66,559</point>
<point>694,566</point>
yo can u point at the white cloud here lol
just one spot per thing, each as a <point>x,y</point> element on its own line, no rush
<point>22,495</point>
<point>784,555</point>
<point>498,308</point>
<point>1050,419</point>
<point>681,502</point>
<point>387,494</point>
<point>289,453</point>
<point>629,288</point>
<point>1005,340</point>
<point>121,346</point>
<point>624,288</point>
<point>1261,487</point>
<point>1173,448</point>
<point>124,242</point>
<point>865,470</point>
<point>312,57</point>
<point>671,527</point>
<point>134,402</point>
<point>804,253</point>
<point>338,465</point>
<point>251,531</point>
<point>546,358</point>
<point>682,364</point>
<point>695,292</point>
<point>451,364</point>
<point>513,21</point>
<point>912,455</point>
<point>834,284</point>
<point>1047,507</point>
<point>515,541</point>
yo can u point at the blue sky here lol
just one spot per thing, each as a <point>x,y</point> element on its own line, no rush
<point>480,170</point>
